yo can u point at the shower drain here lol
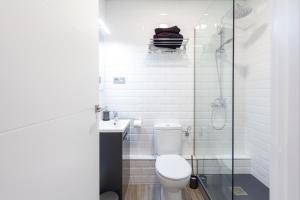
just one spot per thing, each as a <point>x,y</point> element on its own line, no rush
<point>238,191</point>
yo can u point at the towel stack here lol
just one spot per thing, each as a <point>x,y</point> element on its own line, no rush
<point>168,37</point>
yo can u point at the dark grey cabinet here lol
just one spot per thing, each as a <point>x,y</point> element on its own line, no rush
<point>111,162</point>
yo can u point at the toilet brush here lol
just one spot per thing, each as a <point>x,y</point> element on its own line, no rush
<point>193,179</point>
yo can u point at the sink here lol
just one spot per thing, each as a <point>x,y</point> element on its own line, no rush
<point>112,127</point>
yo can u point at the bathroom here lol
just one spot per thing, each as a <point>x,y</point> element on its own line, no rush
<point>150,100</point>
<point>150,87</point>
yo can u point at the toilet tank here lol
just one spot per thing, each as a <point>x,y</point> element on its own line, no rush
<point>167,138</point>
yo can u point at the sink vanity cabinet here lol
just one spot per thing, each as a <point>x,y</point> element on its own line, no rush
<point>112,140</point>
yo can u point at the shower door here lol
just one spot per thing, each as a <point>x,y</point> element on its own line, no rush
<point>213,78</point>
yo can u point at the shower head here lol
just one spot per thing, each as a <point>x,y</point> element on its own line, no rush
<point>241,11</point>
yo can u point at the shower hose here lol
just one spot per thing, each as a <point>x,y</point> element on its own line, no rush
<point>218,108</point>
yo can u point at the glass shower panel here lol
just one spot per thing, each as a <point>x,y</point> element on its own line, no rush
<point>213,41</point>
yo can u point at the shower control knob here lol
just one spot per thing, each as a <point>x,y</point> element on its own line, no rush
<point>187,131</point>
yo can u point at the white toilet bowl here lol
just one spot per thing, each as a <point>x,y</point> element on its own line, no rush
<point>174,174</point>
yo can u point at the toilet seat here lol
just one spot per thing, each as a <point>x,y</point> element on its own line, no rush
<point>173,167</point>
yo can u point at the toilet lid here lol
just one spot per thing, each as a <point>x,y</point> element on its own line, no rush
<point>173,167</point>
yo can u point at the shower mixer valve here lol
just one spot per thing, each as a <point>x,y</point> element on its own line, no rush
<point>187,131</point>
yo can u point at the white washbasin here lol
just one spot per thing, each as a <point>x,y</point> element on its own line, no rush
<point>111,127</point>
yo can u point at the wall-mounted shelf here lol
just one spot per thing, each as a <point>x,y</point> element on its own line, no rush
<point>168,45</point>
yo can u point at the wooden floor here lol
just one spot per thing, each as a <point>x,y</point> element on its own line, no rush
<point>152,192</point>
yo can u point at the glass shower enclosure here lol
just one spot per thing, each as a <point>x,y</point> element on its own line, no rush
<point>213,99</point>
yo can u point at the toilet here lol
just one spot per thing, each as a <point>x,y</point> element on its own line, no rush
<point>172,170</point>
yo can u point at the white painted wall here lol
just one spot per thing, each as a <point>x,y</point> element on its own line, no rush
<point>285,170</point>
<point>102,6</point>
<point>48,84</point>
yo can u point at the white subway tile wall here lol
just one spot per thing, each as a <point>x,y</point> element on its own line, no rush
<point>254,86</point>
<point>159,88</point>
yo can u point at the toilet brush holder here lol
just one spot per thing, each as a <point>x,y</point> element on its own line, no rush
<point>194,182</point>
<point>194,178</point>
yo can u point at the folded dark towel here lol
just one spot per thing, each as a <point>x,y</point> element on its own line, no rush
<point>173,29</point>
<point>168,35</point>
<point>168,40</point>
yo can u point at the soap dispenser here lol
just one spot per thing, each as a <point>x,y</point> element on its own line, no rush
<point>105,115</point>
